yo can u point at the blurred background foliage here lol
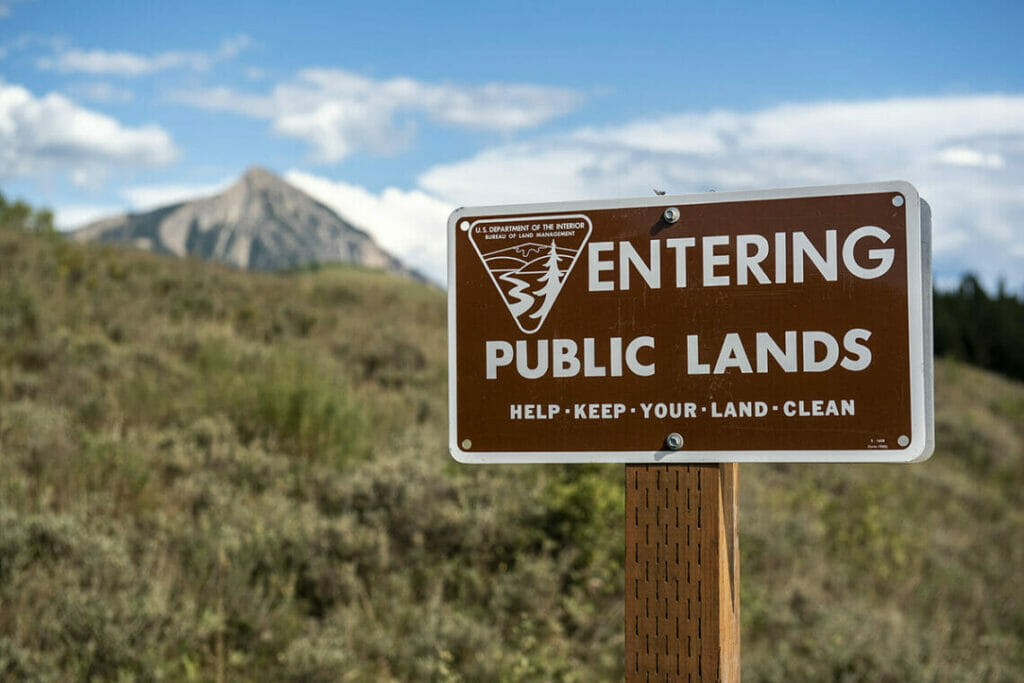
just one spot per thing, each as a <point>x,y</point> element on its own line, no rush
<point>976,327</point>
<point>214,475</point>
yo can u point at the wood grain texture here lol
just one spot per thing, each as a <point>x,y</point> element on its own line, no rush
<point>682,573</point>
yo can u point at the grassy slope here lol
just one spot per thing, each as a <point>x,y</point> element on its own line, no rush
<point>208,474</point>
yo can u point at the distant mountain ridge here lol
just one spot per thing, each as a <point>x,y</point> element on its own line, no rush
<point>261,223</point>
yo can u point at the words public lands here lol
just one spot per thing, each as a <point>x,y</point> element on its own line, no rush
<point>740,260</point>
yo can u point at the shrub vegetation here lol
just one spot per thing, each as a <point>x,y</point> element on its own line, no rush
<point>214,475</point>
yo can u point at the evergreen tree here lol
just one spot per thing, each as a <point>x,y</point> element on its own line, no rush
<point>552,280</point>
<point>980,329</point>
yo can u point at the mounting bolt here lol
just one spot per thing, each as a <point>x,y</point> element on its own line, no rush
<point>671,215</point>
<point>674,441</point>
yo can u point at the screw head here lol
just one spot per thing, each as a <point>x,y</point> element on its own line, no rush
<point>674,441</point>
<point>671,215</point>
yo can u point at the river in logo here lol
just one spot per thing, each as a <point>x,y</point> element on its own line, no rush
<point>529,259</point>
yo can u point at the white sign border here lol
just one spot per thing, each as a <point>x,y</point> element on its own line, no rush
<point>919,306</point>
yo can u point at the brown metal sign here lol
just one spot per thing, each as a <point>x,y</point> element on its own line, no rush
<point>784,325</point>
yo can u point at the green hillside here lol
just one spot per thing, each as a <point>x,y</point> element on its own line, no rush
<point>214,475</point>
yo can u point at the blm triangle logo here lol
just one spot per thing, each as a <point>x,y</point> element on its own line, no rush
<point>529,259</point>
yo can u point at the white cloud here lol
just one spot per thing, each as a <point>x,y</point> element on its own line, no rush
<point>44,134</point>
<point>966,156</point>
<point>146,197</point>
<point>409,224</point>
<point>339,113</point>
<point>226,99</point>
<point>232,46</point>
<point>101,91</point>
<point>77,215</point>
<point>105,62</point>
<point>123,63</point>
<point>964,153</point>
<point>337,129</point>
<point>861,128</point>
<point>255,73</point>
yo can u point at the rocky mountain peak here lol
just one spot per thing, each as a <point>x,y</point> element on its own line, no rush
<point>260,222</point>
<point>256,176</point>
<point>258,181</point>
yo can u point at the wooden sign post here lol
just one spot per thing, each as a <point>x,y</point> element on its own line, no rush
<point>682,573</point>
<point>682,335</point>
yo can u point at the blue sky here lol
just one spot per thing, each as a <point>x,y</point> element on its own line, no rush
<point>396,112</point>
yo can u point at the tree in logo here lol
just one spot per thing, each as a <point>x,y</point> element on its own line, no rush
<point>552,280</point>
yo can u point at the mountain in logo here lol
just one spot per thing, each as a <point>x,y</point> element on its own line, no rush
<point>529,269</point>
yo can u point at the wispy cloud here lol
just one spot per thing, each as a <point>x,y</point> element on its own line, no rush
<point>146,197</point>
<point>339,113</point>
<point>965,154</point>
<point>136,198</point>
<point>51,133</point>
<point>101,91</point>
<point>7,7</point>
<point>129,64</point>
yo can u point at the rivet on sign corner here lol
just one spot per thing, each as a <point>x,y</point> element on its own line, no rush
<point>897,200</point>
<point>464,225</point>
<point>674,441</point>
<point>671,214</point>
<point>466,444</point>
<point>903,441</point>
